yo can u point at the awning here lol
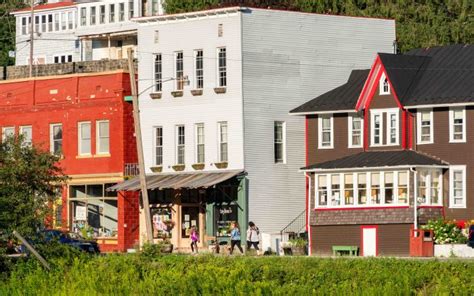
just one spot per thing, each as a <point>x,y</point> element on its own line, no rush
<point>177,180</point>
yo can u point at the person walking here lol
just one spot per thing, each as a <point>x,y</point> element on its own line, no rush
<point>235,238</point>
<point>253,237</point>
<point>194,240</point>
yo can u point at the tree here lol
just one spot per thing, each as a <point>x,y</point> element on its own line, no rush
<point>7,29</point>
<point>30,179</point>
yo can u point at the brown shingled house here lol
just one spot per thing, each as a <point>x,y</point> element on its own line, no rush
<point>392,133</point>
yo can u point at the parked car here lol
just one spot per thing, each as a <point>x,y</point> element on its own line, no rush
<point>72,239</point>
<point>470,242</point>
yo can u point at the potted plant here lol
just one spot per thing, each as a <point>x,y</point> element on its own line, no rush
<point>298,246</point>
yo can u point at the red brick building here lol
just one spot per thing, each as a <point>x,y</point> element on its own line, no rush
<point>83,118</point>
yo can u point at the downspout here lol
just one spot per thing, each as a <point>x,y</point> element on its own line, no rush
<point>415,200</point>
<point>308,213</point>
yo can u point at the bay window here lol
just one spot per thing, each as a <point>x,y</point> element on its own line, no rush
<point>325,132</point>
<point>457,125</point>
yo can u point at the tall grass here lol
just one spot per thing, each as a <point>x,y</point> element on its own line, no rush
<point>208,275</point>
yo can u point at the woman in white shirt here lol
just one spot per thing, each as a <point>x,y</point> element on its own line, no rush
<point>253,236</point>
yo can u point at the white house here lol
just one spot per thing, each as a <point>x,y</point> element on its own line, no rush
<point>81,30</point>
<point>215,89</point>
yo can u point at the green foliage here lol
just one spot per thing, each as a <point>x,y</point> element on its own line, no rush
<point>7,29</point>
<point>420,23</point>
<point>241,275</point>
<point>298,242</point>
<point>30,179</point>
<point>446,232</point>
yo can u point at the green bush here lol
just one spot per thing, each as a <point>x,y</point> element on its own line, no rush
<point>445,232</point>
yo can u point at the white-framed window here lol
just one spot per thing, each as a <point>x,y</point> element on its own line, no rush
<point>199,67</point>
<point>130,9</point>
<point>62,59</point>
<point>84,138</point>
<point>83,16</point>
<point>50,23</point>
<point>70,20</point>
<point>121,12</point>
<point>356,131</point>
<point>64,21</point>
<point>158,71</point>
<point>157,36</point>
<point>27,133</point>
<point>24,26</point>
<point>103,137</point>
<point>43,23</point>
<point>37,23</point>
<point>200,146</point>
<point>57,21</point>
<point>361,189</point>
<point>8,131</point>
<point>457,186</point>
<point>180,144</point>
<point>111,13</point>
<point>155,7</point>
<point>158,152</point>
<point>179,70</point>
<point>325,131</point>
<point>102,14</point>
<point>220,30</point>
<point>384,86</point>
<point>392,127</point>
<point>425,127</point>
<point>93,16</point>
<point>222,66</point>
<point>56,138</point>
<point>223,145</point>
<point>457,125</point>
<point>430,191</point>
<point>376,128</point>
<point>279,141</point>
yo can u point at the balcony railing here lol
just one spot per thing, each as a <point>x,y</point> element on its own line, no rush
<point>131,169</point>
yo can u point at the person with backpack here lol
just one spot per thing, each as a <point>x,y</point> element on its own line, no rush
<point>253,236</point>
<point>235,238</point>
<point>194,239</point>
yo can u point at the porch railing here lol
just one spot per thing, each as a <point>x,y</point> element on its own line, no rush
<point>131,169</point>
<point>296,227</point>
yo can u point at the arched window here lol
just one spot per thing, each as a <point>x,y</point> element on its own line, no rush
<point>384,87</point>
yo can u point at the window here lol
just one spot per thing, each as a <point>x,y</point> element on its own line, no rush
<point>223,154</point>
<point>157,36</point>
<point>154,7</point>
<point>376,124</point>
<point>429,187</point>
<point>93,16</point>
<point>457,186</point>
<point>279,141</point>
<point>384,87</point>
<point>425,127</point>
<point>322,190</point>
<point>50,23</point>
<point>220,30</point>
<point>402,187</point>
<point>37,23</point>
<point>103,137</point>
<point>130,9</point>
<point>325,132</point>
<point>158,72</point>
<point>62,59</point>
<point>199,64</point>
<point>121,12</point>
<point>27,133</point>
<point>84,138</point>
<point>457,125</point>
<point>56,139</point>
<point>392,128</point>
<point>83,16</point>
<point>335,190</point>
<point>63,21</point>
<point>70,20</point>
<point>389,188</point>
<point>102,14</point>
<point>43,23</point>
<point>92,206</point>
<point>56,22</point>
<point>375,188</point>
<point>356,131</point>
<point>179,70</point>
<point>112,13</point>
<point>222,69</point>
<point>7,132</point>
<point>362,188</point>
<point>348,189</point>
<point>158,146</point>
<point>200,148</point>
<point>23,26</point>
<point>180,144</point>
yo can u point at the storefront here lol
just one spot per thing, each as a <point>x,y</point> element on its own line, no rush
<point>209,201</point>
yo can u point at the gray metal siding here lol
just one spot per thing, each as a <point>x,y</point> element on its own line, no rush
<point>288,59</point>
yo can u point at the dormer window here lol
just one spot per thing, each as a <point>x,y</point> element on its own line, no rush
<point>384,87</point>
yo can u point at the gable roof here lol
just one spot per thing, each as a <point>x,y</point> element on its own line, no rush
<point>45,6</point>
<point>340,98</point>
<point>377,159</point>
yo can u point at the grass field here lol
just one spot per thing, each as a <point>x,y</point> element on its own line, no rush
<point>210,275</point>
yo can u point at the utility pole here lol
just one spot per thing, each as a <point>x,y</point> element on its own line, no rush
<point>32,34</point>
<point>138,138</point>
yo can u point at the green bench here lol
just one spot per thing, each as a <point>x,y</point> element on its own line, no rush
<point>339,250</point>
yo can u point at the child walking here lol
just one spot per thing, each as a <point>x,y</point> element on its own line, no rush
<point>235,238</point>
<point>194,239</point>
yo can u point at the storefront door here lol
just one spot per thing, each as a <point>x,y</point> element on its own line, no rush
<point>189,218</point>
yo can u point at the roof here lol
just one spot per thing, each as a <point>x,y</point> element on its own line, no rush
<point>343,97</point>
<point>377,159</point>
<point>46,6</point>
<point>177,180</point>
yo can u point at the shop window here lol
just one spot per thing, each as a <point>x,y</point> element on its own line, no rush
<point>162,222</point>
<point>189,218</point>
<point>224,215</point>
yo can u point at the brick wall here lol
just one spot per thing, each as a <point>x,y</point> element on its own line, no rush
<point>19,72</point>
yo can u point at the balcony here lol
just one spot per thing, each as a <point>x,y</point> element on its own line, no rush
<point>131,169</point>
